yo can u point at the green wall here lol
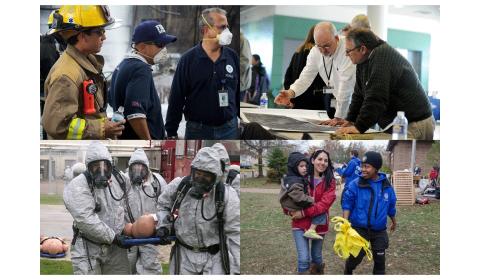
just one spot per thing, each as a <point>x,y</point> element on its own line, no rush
<point>285,27</point>
<point>416,42</point>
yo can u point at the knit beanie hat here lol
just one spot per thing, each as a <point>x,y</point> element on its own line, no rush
<point>373,158</point>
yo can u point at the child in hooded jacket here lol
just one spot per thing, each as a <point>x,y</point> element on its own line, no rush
<point>294,192</point>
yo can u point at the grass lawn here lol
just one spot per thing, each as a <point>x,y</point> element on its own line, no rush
<point>267,246</point>
<point>58,267</point>
<point>259,183</point>
<point>51,199</point>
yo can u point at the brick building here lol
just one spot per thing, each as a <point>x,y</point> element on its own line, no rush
<point>400,153</point>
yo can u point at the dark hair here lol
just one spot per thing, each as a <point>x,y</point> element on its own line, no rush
<point>364,36</point>
<point>73,40</point>
<point>257,57</point>
<point>354,152</point>
<point>328,172</point>
<point>308,43</point>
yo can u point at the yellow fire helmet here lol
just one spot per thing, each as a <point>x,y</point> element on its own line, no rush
<point>81,17</point>
<point>50,19</point>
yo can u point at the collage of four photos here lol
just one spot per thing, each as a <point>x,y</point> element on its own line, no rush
<point>252,140</point>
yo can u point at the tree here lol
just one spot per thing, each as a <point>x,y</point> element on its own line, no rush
<point>433,154</point>
<point>259,148</point>
<point>277,162</point>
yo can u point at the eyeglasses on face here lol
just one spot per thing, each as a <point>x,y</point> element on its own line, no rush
<point>99,31</point>
<point>348,51</point>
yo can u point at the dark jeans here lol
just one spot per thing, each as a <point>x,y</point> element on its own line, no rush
<point>227,131</point>
<point>379,242</point>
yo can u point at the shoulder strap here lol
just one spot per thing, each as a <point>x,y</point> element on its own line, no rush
<point>232,173</point>
<point>182,190</point>
<point>158,190</point>
<point>123,185</point>
<point>220,208</point>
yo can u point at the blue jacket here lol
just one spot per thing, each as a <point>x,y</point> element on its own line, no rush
<point>370,202</point>
<point>352,171</point>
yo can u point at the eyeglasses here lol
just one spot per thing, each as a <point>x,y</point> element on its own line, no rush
<point>99,31</point>
<point>326,46</point>
<point>348,51</point>
<point>221,27</point>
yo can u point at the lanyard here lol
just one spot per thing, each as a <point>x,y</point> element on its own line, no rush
<point>326,73</point>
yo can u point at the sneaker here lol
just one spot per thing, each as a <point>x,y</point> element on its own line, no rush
<point>312,234</point>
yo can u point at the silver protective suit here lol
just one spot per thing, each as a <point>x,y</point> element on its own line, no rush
<point>192,229</point>
<point>98,227</point>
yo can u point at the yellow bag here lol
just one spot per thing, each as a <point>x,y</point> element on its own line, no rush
<point>348,241</point>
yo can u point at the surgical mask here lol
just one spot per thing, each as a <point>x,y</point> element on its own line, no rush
<point>161,56</point>
<point>138,173</point>
<point>202,183</point>
<point>101,172</point>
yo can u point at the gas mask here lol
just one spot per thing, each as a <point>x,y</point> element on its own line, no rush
<point>224,38</point>
<point>202,183</point>
<point>101,172</point>
<point>138,173</point>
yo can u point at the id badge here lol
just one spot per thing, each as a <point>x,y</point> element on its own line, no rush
<point>333,103</point>
<point>223,98</point>
<point>327,90</point>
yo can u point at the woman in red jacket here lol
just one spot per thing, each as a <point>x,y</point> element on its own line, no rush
<point>322,189</point>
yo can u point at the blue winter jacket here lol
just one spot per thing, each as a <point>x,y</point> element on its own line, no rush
<point>352,171</point>
<point>370,202</point>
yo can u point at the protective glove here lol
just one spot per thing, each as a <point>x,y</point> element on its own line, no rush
<point>119,241</point>
<point>163,234</point>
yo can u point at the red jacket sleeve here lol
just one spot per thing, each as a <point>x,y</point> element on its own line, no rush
<point>325,202</point>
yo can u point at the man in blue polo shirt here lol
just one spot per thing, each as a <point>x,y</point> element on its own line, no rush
<point>205,87</point>
<point>132,84</point>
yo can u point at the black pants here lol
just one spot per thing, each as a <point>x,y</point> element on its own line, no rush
<point>379,242</point>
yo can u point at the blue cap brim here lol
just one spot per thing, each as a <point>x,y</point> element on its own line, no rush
<point>167,39</point>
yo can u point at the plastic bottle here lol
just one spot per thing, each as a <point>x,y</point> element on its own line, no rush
<point>118,115</point>
<point>264,101</point>
<point>400,127</point>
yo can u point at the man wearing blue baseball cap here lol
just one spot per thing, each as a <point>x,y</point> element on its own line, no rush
<point>132,85</point>
<point>205,88</point>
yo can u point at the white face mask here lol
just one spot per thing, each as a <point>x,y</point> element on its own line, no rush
<point>161,56</point>
<point>225,38</point>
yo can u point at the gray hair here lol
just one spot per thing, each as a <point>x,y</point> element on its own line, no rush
<point>206,14</point>
<point>360,21</point>
<point>325,25</point>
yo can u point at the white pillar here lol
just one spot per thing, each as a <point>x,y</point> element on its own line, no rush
<point>377,15</point>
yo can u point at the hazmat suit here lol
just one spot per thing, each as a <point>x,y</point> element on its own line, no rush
<point>234,182</point>
<point>197,227</point>
<point>98,217</point>
<point>142,199</point>
<point>78,168</point>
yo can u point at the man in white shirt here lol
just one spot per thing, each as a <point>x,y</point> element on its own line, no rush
<point>337,71</point>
